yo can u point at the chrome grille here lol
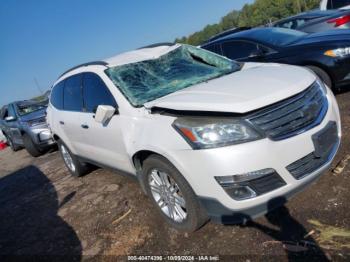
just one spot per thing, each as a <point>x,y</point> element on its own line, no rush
<point>293,115</point>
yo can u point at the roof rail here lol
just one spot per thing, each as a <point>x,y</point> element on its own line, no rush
<point>158,44</point>
<point>85,64</point>
<point>228,32</point>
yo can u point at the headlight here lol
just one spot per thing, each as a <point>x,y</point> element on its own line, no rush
<point>203,133</point>
<point>339,52</point>
<point>322,85</point>
<point>36,122</point>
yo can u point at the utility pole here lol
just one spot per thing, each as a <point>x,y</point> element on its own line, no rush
<point>37,85</point>
<point>299,6</point>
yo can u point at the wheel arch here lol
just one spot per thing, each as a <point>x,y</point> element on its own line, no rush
<point>56,137</point>
<point>321,66</point>
<point>141,155</point>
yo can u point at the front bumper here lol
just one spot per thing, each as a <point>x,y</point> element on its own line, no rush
<point>341,72</point>
<point>42,137</point>
<point>223,215</point>
<point>201,166</point>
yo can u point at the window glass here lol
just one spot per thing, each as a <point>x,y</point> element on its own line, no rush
<point>4,113</point>
<point>72,98</point>
<point>96,93</point>
<point>335,4</point>
<point>25,107</point>
<point>11,111</point>
<point>181,67</point>
<point>294,24</point>
<point>216,48</point>
<point>275,36</point>
<point>56,97</point>
<point>236,49</point>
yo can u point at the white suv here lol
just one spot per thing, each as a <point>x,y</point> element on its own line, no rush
<point>204,135</point>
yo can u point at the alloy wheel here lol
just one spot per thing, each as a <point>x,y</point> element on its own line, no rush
<point>167,195</point>
<point>67,158</point>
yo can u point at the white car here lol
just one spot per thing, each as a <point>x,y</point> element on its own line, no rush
<point>334,4</point>
<point>205,136</point>
<point>2,137</point>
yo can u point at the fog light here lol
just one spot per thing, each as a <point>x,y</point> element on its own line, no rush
<point>45,135</point>
<point>243,186</point>
<point>238,192</point>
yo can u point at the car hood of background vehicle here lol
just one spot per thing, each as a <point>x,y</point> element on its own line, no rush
<point>255,86</point>
<point>34,115</point>
<point>327,36</point>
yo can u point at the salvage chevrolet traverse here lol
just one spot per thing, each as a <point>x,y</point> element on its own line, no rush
<point>205,136</point>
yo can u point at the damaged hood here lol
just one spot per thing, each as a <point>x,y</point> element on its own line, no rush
<point>255,86</point>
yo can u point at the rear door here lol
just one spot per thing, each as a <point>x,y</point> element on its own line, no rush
<point>69,117</point>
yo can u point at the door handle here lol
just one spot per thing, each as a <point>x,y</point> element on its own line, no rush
<point>61,122</point>
<point>84,126</point>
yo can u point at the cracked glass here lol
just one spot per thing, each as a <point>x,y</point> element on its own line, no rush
<point>182,67</point>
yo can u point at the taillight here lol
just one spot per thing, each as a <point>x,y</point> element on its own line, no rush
<point>340,20</point>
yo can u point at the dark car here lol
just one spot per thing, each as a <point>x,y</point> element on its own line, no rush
<point>327,53</point>
<point>24,125</point>
<point>334,4</point>
<point>317,21</point>
<point>229,32</point>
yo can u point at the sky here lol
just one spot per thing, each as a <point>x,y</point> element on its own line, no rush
<point>40,39</point>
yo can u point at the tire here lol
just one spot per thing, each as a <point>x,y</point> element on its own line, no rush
<point>31,147</point>
<point>12,145</point>
<point>189,216</point>
<point>74,166</point>
<point>322,74</point>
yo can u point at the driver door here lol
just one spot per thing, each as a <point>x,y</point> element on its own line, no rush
<point>104,144</point>
<point>12,127</point>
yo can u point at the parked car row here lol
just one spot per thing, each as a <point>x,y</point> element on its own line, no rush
<point>209,132</point>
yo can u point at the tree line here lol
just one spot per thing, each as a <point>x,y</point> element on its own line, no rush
<point>261,12</point>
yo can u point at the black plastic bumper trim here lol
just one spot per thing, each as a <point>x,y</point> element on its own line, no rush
<point>223,215</point>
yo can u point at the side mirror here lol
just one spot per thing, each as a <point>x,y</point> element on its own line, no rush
<point>10,118</point>
<point>104,113</point>
<point>257,53</point>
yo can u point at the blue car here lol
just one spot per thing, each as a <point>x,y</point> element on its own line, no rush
<point>24,124</point>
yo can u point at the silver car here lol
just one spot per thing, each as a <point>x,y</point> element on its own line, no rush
<point>24,125</point>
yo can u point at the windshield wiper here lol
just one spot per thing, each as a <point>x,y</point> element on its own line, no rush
<point>201,60</point>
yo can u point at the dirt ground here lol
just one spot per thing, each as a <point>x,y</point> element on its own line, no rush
<point>105,216</point>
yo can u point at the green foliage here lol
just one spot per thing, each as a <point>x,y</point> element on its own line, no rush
<point>42,97</point>
<point>259,13</point>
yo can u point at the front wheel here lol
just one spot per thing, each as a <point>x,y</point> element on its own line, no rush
<point>171,194</point>
<point>31,148</point>
<point>12,145</point>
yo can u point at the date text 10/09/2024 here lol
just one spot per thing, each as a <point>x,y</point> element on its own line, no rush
<point>173,258</point>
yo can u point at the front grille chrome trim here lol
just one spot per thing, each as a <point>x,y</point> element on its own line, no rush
<point>292,116</point>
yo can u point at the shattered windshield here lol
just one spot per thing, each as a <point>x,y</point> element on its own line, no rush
<point>186,65</point>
